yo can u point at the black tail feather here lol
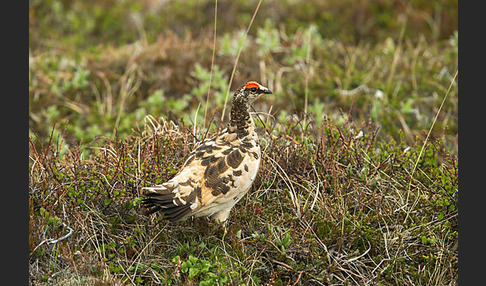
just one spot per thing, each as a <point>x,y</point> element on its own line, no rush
<point>154,202</point>
<point>177,213</point>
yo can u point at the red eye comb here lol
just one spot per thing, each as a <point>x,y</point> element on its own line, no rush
<point>252,84</point>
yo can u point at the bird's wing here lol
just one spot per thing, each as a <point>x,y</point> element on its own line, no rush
<point>209,173</point>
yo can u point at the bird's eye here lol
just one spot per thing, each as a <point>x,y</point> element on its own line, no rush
<point>253,89</point>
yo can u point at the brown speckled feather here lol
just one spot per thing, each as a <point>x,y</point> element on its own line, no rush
<point>218,173</point>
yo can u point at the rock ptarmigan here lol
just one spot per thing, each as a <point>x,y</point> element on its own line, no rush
<point>216,174</point>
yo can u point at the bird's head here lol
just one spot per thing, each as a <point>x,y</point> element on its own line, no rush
<point>252,90</point>
<point>240,117</point>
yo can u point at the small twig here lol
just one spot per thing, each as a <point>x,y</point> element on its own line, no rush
<point>195,121</point>
<point>317,187</point>
<point>288,182</point>
<point>145,247</point>
<point>52,241</point>
<point>358,257</point>
<point>263,123</point>
<point>293,270</point>
<point>298,278</point>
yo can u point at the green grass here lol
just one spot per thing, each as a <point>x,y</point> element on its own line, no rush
<point>345,194</point>
<point>328,210</point>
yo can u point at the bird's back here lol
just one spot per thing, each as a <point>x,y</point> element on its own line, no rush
<point>216,175</point>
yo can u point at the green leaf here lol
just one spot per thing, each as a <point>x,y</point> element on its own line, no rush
<point>193,259</point>
<point>193,272</point>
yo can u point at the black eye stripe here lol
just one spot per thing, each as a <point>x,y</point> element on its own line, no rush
<point>253,89</point>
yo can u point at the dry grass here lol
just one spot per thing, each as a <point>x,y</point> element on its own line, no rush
<point>358,182</point>
<point>322,211</point>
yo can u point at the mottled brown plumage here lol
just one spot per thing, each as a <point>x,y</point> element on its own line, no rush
<point>218,173</point>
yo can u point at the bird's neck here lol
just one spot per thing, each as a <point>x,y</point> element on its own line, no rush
<point>241,121</point>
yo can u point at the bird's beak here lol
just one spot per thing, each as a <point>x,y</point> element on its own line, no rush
<point>265,90</point>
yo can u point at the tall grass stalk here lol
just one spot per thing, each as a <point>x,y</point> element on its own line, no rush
<point>423,147</point>
<point>212,60</point>
<point>237,58</point>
